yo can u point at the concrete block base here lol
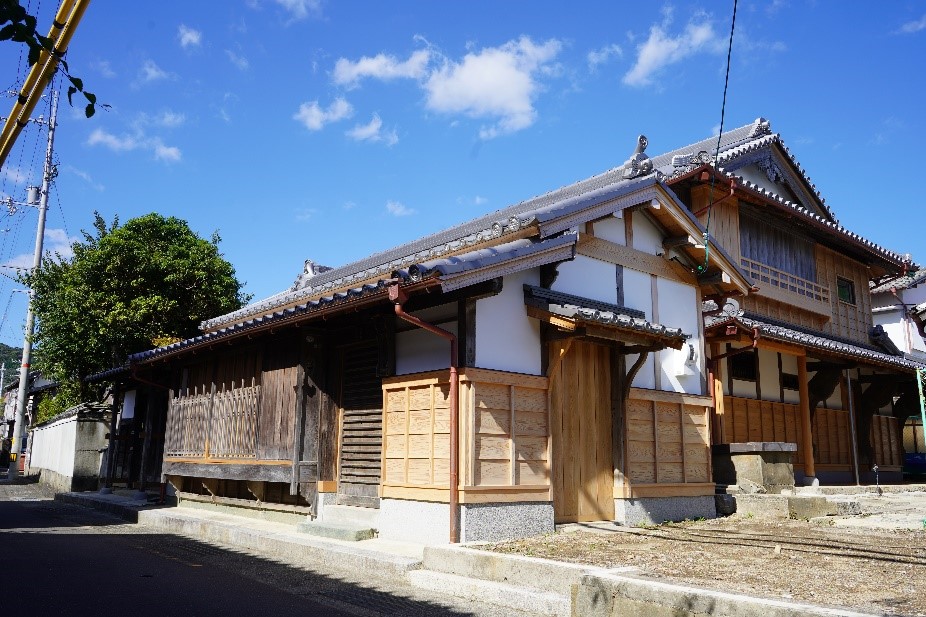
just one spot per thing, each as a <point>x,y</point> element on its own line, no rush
<point>336,531</point>
<point>489,522</point>
<point>658,510</point>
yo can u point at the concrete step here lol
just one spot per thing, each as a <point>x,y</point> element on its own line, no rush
<point>509,596</point>
<point>350,515</point>
<point>336,531</point>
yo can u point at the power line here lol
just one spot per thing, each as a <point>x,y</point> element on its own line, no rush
<point>723,110</point>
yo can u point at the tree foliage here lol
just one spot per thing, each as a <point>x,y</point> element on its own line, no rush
<point>126,289</point>
<point>17,25</point>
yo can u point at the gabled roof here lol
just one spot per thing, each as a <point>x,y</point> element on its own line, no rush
<point>903,282</point>
<point>788,333</point>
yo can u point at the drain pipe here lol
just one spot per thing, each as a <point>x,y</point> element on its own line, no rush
<point>398,297</point>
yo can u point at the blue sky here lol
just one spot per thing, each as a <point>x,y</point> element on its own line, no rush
<point>331,130</point>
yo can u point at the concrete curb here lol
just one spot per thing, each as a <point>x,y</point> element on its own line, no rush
<point>286,547</point>
<point>122,508</point>
<point>610,595</point>
<point>499,594</point>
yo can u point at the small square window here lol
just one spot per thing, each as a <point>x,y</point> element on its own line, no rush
<point>743,366</point>
<point>845,289</point>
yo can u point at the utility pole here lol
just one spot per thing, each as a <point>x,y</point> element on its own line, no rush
<point>17,433</point>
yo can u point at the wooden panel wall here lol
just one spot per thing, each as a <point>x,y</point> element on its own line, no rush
<point>781,311</point>
<point>888,452</point>
<point>668,439</point>
<point>849,321</point>
<point>725,220</point>
<point>753,420</point>
<point>278,401</point>
<point>496,462</point>
<point>361,445</point>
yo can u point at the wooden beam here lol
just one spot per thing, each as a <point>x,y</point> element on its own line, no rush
<point>230,471</point>
<point>611,252</point>
<point>563,323</point>
<point>678,241</point>
<point>791,350</point>
<point>717,278</point>
<point>806,426</point>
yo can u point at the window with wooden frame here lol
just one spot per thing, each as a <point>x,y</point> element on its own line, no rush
<point>743,366</point>
<point>789,381</point>
<point>845,289</point>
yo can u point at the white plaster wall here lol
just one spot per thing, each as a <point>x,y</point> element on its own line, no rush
<point>835,399</point>
<point>745,389</point>
<point>757,176</point>
<point>588,278</point>
<point>52,446</point>
<point>128,405</point>
<point>789,365</point>
<point>611,229</point>
<point>506,338</point>
<point>419,350</point>
<point>646,236</point>
<point>769,380</point>
<point>638,294</point>
<point>678,308</point>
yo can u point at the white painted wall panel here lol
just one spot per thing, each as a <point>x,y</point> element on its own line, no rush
<point>768,375</point>
<point>588,278</point>
<point>678,308</point>
<point>128,405</point>
<point>52,446</point>
<point>611,229</point>
<point>506,338</point>
<point>419,350</point>
<point>638,294</point>
<point>646,236</point>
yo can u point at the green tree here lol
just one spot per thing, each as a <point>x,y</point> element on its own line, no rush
<point>126,288</point>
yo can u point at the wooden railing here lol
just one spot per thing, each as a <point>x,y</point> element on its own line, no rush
<point>221,424</point>
<point>764,274</point>
<point>747,419</point>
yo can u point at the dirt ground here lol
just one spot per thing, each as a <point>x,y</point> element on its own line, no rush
<point>871,563</point>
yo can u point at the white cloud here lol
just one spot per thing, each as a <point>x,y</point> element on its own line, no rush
<point>373,131</point>
<point>171,154</point>
<point>116,144</point>
<point>85,177</point>
<point>305,214</point>
<point>661,50</point>
<point>14,174</point>
<point>478,200</point>
<point>597,57</point>
<point>381,66</point>
<point>189,37</point>
<point>300,9</point>
<point>398,209</point>
<point>914,26</point>
<point>138,141</point>
<point>314,118</point>
<point>240,62</point>
<point>497,82</point>
<point>56,241</point>
<point>104,68</point>
<point>170,119</point>
<point>150,72</point>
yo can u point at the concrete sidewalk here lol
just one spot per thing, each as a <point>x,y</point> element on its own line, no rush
<point>536,586</point>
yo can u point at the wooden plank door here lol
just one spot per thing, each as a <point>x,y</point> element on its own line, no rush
<point>361,450</point>
<point>580,407</point>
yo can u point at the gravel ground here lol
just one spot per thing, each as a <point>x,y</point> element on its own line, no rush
<point>876,569</point>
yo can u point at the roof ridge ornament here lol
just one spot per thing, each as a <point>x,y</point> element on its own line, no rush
<point>310,269</point>
<point>639,164</point>
<point>760,127</point>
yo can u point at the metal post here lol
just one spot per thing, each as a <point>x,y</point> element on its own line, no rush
<point>18,432</point>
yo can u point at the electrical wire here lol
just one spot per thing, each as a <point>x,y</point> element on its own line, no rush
<point>723,109</point>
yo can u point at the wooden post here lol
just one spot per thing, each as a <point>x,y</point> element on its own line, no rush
<point>810,471</point>
<point>146,444</point>
<point>111,449</point>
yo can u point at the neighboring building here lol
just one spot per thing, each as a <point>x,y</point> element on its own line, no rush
<point>38,388</point>
<point>583,392</point>
<point>895,303</point>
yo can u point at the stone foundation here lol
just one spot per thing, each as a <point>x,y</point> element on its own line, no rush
<point>657,510</point>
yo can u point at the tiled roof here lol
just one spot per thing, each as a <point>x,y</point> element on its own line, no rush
<point>544,208</point>
<point>904,282</point>
<point>468,264</point>
<point>595,311</point>
<point>790,334</point>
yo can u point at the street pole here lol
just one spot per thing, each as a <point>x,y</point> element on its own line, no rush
<point>18,432</point>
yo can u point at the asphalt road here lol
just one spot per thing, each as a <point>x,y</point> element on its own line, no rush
<point>61,559</point>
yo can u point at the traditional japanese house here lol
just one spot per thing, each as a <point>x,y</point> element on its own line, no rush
<point>541,364</point>
<point>544,363</point>
<point>800,359</point>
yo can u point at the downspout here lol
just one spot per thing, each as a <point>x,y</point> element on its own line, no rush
<point>398,297</point>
